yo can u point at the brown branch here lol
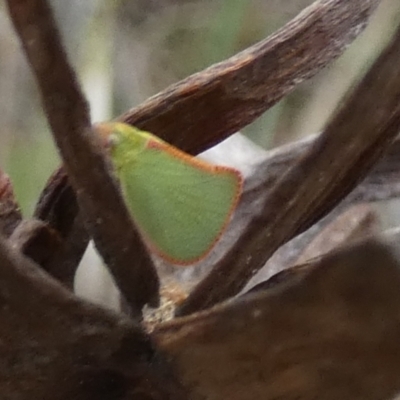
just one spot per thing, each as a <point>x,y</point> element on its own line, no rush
<point>207,107</point>
<point>56,346</point>
<point>38,241</point>
<point>353,224</point>
<point>356,223</point>
<point>58,208</point>
<point>381,183</point>
<point>56,238</point>
<point>360,132</point>
<point>10,213</point>
<point>328,333</point>
<point>288,254</point>
<point>304,264</point>
<point>33,238</point>
<point>108,220</point>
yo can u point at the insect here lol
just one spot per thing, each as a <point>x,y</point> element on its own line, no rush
<point>180,204</point>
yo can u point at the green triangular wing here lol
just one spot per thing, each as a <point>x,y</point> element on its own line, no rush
<point>180,205</point>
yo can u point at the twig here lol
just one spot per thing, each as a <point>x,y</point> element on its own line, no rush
<point>354,139</point>
<point>381,183</point>
<point>67,111</point>
<point>340,227</point>
<point>207,107</point>
<point>58,208</point>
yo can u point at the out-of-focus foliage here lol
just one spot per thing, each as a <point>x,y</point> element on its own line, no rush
<point>128,50</point>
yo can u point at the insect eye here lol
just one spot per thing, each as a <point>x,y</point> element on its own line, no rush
<point>113,140</point>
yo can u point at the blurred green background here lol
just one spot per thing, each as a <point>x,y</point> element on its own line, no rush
<point>127,50</point>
